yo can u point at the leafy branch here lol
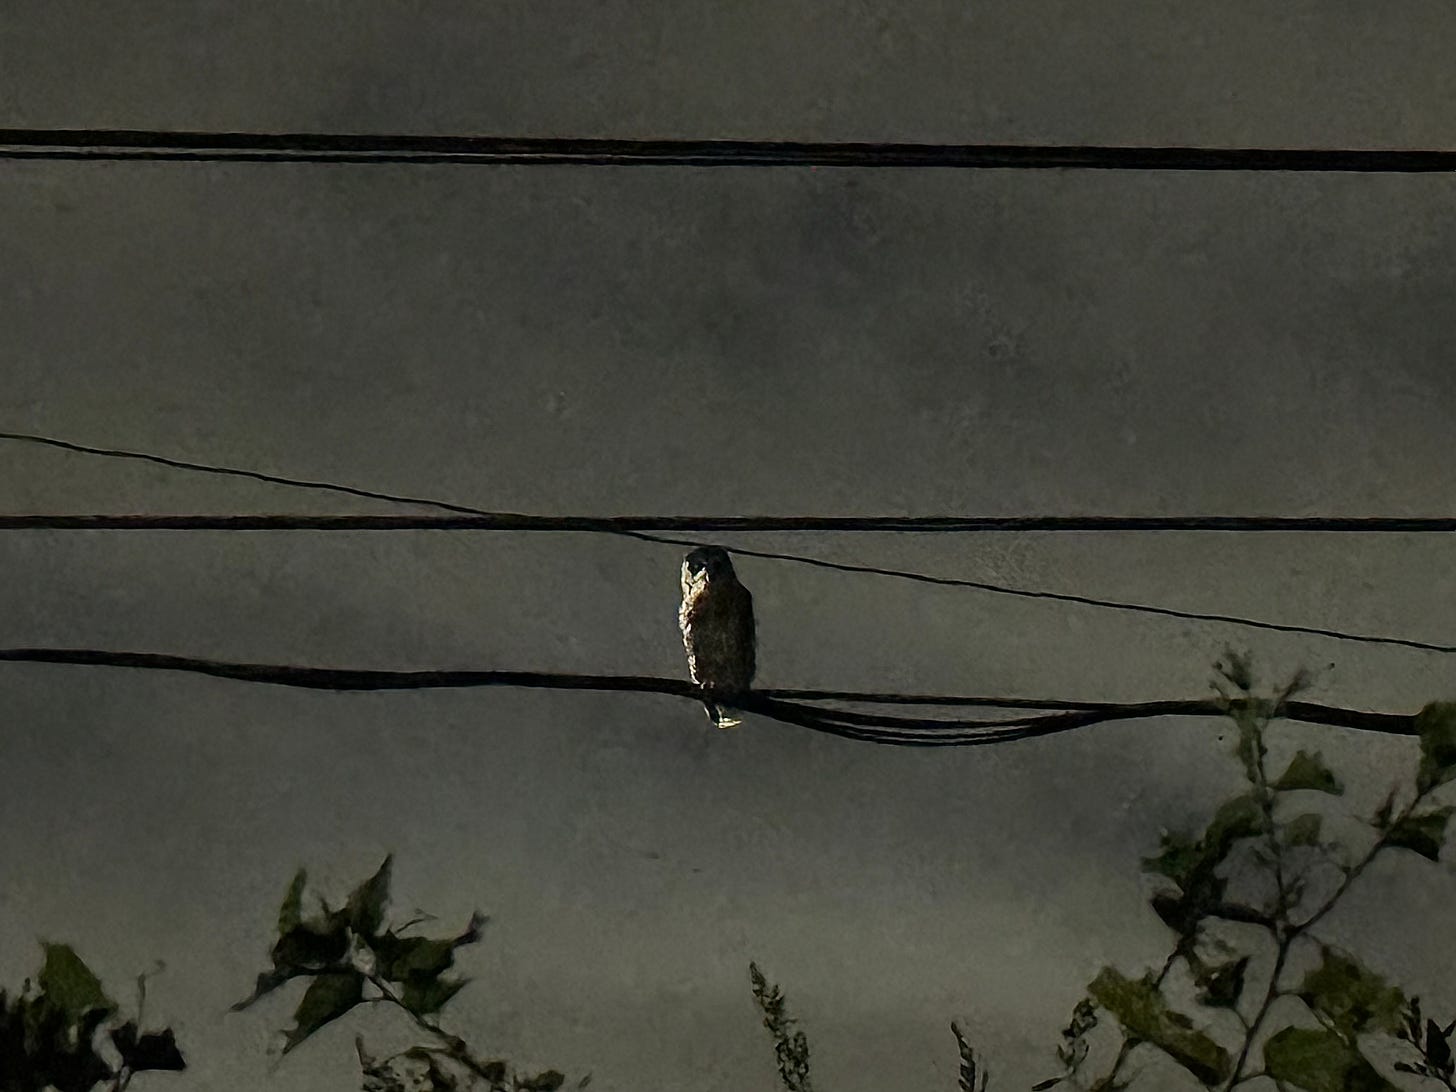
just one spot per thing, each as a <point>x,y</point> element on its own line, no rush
<point>51,1032</point>
<point>351,957</point>
<point>791,1048</point>
<point>1255,865</point>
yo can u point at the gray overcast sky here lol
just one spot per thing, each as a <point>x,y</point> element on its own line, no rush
<point>574,340</point>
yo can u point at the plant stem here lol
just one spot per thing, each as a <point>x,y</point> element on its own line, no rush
<point>1280,955</point>
<point>455,1047</point>
<point>1266,805</point>
<point>1355,870</point>
<point>1288,932</point>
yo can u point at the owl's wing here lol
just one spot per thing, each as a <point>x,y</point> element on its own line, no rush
<point>745,639</point>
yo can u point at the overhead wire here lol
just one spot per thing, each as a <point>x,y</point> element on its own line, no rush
<point>160,146</point>
<point>466,513</point>
<point>892,731</point>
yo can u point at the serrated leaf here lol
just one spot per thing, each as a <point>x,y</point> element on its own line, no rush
<point>1352,997</point>
<point>1308,771</point>
<point>1436,725</point>
<point>327,998</point>
<point>367,901</point>
<point>424,996</point>
<point>399,958</point>
<point>1142,1012</point>
<point>70,985</point>
<point>1320,1061</point>
<point>1424,833</point>
<point>1303,830</point>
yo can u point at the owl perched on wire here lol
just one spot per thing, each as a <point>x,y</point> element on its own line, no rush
<point>716,619</point>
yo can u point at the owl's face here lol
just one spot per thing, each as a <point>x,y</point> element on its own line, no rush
<point>707,563</point>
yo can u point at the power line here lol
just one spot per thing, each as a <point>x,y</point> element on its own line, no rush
<point>870,728</point>
<point>523,522</point>
<point>465,523</point>
<point>480,519</point>
<point>464,517</point>
<point>163,146</point>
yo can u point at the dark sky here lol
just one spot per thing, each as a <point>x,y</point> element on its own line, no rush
<point>568,340</point>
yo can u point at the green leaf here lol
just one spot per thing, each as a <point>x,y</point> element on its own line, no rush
<point>399,958</point>
<point>327,998</point>
<point>1436,724</point>
<point>423,996</point>
<point>151,1050</point>
<point>1191,864</point>
<point>1424,833</point>
<point>1241,817</point>
<point>1320,1061</point>
<point>366,904</point>
<point>290,914</point>
<point>1438,1048</point>
<point>70,985</point>
<point>1304,830</point>
<point>1352,997</point>
<point>313,946</point>
<point>1143,1013</point>
<point>1308,771</point>
<point>1178,859</point>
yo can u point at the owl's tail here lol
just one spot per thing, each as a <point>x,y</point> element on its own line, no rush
<point>720,717</point>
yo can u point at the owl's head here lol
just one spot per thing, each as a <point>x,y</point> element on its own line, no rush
<point>707,563</point>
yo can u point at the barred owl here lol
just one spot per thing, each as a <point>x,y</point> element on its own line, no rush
<point>716,619</point>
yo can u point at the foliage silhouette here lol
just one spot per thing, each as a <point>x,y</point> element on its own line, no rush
<point>352,956</point>
<point>51,1032</point>
<point>1249,890</point>
<point>791,1048</point>
<point>1250,989</point>
<point>1256,883</point>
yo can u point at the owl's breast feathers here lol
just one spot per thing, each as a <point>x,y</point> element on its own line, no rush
<point>717,627</point>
